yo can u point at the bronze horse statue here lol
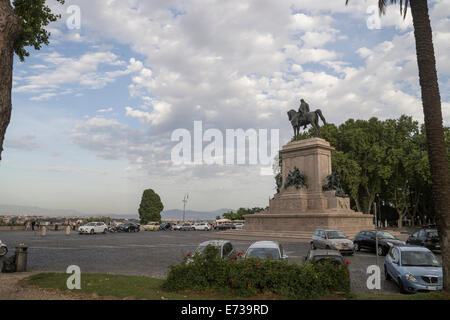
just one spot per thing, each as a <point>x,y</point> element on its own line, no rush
<point>311,118</point>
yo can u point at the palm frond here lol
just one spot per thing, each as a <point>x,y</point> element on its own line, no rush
<point>382,4</point>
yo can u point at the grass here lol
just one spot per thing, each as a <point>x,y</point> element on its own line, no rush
<point>144,288</point>
<point>122,287</point>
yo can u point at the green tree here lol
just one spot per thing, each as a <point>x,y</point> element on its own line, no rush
<point>22,24</point>
<point>431,102</point>
<point>151,207</point>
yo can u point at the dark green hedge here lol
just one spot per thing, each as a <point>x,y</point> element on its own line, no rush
<point>208,272</point>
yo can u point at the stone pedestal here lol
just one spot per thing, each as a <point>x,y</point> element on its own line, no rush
<point>308,208</point>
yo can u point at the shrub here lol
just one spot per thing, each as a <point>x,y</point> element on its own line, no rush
<point>208,272</point>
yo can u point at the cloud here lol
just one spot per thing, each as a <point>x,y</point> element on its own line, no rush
<point>25,142</point>
<point>84,72</point>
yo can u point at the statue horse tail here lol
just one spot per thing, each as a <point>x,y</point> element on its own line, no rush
<point>319,113</point>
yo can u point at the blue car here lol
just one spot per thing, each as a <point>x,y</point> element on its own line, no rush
<point>414,269</point>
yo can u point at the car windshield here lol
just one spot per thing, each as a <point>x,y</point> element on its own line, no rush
<point>200,249</point>
<point>432,233</point>
<point>91,224</point>
<point>385,235</point>
<point>264,253</point>
<point>419,259</point>
<point>336,235</point>
<point>324,259</point>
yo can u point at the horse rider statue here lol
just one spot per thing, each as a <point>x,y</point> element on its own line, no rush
<point>303,110</point>
<point>304,117</point>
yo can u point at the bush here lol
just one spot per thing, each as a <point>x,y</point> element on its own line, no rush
<point>208,272</point>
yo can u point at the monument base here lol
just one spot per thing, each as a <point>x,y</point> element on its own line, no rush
<point>308,208</point>
<point>350,223</point>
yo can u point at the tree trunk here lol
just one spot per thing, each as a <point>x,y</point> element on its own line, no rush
<point>434,129</point>
<point>10,31</point>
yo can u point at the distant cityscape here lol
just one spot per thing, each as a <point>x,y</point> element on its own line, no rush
<point>19,215</point>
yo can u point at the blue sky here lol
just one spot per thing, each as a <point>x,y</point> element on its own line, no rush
<point>93,112</point>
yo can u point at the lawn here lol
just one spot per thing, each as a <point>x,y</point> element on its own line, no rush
<point>145,288</point>
<point>122,287</point>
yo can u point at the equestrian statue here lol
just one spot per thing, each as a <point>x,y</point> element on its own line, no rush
<point>304,117</point>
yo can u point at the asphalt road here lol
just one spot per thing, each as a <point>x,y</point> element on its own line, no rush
<point>148,253</point>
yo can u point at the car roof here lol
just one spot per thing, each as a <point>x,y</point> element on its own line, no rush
<point>216,243</point>
<point>412,248</point>
<point>265,244</point>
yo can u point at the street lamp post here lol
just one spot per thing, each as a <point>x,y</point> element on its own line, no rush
<point>185,200</point>
<point>376,229</point>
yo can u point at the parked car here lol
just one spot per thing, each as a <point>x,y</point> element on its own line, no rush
<point>367,240</point>
<point>3,249</point>
<point>225,247</point>
<point>425,237</point>
<point>266,249</point>
<point>165,226</point>
<point>414,269</point>
<point>202,226</point>
<point>332,239</point>
<point>151,226</point>
<point>186,227</point>
<point>321,255</point>
<point>239,226</point>
<point>129,227</point>
<point>93,227</point>
<point>224,226</point>
<point>176,227</point>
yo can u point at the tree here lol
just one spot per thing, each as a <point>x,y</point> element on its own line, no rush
<point>22,24</point>
<point>151,207</point>
<point>431,101</point>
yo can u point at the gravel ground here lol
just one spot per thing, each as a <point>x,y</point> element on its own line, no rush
<point>143,253</point>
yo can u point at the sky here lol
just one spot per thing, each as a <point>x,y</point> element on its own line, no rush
<point>94,112</point>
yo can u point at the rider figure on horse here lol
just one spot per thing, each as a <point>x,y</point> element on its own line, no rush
<point>303,110</point>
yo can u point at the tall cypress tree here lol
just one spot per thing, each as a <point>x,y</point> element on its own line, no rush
<point>151,207</point>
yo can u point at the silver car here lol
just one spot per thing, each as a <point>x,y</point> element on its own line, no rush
<point>332,239</point>
<point>266,249</point>
<point>226,249</point>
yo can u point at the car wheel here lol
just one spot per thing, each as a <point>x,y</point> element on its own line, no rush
<point>313,247</point>
<point>386,274</point>
<point>3,251</point>
<point>381,251</point>
<point>105,231</point>
<point>92,231</point>
<point>357,248</point>
<point>401,287</point>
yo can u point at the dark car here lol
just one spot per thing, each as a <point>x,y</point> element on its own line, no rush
<point>425,237</point>
<point>129,227</point>
<point>225,226</point>
<point>165,226</point>
<point>321,256</point>
<point>367,240</point>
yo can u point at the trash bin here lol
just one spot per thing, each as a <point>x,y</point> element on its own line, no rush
<point>21,258</point>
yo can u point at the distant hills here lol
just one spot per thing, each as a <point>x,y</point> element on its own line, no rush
<point>167,214</point>
<point>193,215</point>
